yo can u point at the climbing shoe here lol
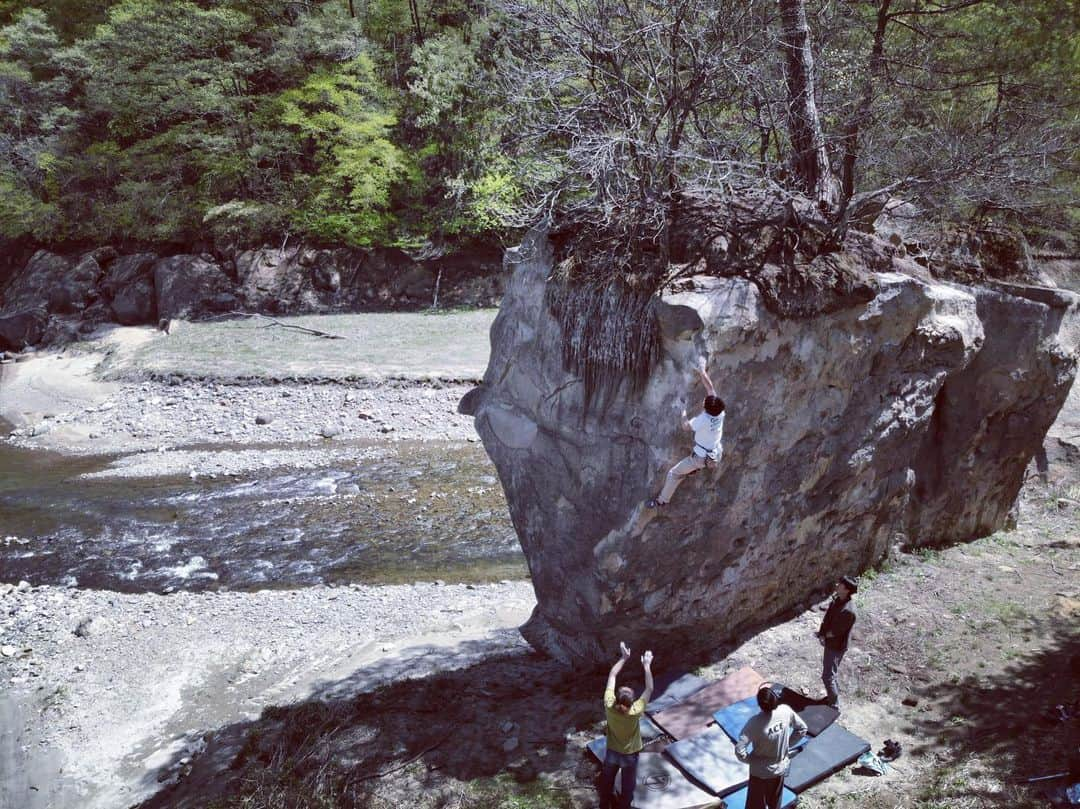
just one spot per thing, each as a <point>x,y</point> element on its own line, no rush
<point>654,503</point>
<point>890,751</point>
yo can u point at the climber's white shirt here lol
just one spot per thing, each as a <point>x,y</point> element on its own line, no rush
<point>708,432</point>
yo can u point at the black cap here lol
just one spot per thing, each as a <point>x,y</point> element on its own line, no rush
<point>850,583</point>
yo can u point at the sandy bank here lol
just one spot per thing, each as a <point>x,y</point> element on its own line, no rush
<point>136,389</point>
<point>113,686</point>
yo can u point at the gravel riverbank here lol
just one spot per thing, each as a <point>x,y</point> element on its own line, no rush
<point>105,689</point>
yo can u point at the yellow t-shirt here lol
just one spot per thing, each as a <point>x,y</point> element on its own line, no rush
<point>623,729</point>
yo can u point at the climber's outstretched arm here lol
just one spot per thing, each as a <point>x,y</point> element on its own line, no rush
<point>710,389</point>
<point>646,663</point>
<point>624,655</point>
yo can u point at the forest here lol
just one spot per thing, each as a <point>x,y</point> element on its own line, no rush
<point>395,122</point>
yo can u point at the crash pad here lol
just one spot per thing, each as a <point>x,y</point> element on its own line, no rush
<point>795,699</point>
<point>735,716</point>
<point>649,732</point>
<point>660,785</point>
<point>672,689</point>
<point>829,751</point>
<point>709,759</point>
<point>737,799</point>
<point>818,717</point>
<point>695,713</point>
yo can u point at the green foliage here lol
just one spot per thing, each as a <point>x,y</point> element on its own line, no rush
<point>176,120</point>
<point>185,120</point>
<point>339,116</point>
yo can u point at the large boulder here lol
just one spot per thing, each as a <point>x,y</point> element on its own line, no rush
<point>848,431</point>
<point>21,329</point>
<point>129,286</point>
<point>60,284</point>
<point>188,286</point>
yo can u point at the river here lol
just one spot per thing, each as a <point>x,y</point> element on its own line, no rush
<point>408,511</point>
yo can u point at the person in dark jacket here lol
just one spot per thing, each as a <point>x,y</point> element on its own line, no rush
<point>834,633</point>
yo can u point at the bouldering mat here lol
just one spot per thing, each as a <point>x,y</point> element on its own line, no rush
<point>737,799</point>
<point>672,689</point>
<point>823,755</point>
<point>818,718</point>
<point>649,733</point>
<point>796,700</point>
<point>734,717</point>
<point>694,713</point>
<point>660,785</point>
<point>815,713</point>
<point>709,759</point>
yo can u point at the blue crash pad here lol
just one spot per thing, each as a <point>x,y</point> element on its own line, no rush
<point>709,759</point>
<point>734,717</point>
<point>829,751</point>
<point>737,799</point>
<point>671,691</point>
<point>649,732</point>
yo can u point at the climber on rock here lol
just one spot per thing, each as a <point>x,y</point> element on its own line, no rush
<point>708,430</point>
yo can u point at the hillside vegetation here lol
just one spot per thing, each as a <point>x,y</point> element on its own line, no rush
<point>393,121</point>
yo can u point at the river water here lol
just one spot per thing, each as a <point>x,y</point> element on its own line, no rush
<point>407,512</point>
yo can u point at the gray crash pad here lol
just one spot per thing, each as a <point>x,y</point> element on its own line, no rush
<point>829,751</point>
<point>671,691</point>
<point>709,759</point>
<point>660,785</point>
<point>818,718</point>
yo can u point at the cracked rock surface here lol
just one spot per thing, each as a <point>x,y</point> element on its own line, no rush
<point>909,418</point>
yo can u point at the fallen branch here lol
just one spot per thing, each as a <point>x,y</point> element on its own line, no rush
<point>401,766</point>
<point>303,329</point>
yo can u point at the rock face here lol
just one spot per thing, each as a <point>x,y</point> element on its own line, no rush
<point>83,290</point>
<point>60,284</point>
<point>304,279</point>
<point>21,329</point>
<point>129,286</point>
<point>906,418</point>
<point>185,285</point>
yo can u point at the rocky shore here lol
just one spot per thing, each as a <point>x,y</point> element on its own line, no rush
<point>55,298</point>
<point>107,688</point>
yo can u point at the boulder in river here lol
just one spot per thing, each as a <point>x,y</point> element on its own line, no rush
<point>885,408</point>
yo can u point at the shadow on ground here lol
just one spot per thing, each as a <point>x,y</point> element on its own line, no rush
<point>1005,724</point>
<point>511,714</point>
